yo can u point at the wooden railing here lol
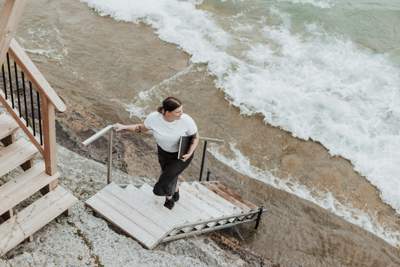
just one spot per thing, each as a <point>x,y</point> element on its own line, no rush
<point>31,101</point>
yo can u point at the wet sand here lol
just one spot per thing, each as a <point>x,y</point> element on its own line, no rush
<point>98,66</point>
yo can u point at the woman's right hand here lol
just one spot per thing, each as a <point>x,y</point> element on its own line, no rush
<point>119,127</point>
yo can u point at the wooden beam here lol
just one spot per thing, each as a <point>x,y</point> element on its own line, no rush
<point>49,135</point>
<point>9,18</point>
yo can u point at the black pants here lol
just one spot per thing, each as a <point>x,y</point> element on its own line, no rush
<point>171,167</point>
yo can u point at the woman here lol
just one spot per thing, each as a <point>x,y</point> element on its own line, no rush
<point>167,125</point>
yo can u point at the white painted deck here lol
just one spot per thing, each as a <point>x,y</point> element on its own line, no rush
<point>202,207</point>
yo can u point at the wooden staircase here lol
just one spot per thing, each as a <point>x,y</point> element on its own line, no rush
<point>18,225</point>
<point>28,103</point>
<point>202,207</point>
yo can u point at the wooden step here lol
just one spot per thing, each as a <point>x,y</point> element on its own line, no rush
<point>227,193</point>
<point>136,203</point>
<point>205,197</point>
<point>15,155</point>
<point>21,226</point>
<point>7,126</point>
<point>179,210</point>
<point>115,209</point>
<point>155,210</point>
<point>200,205</point>
<point>24,186</point>
<point>218,200</point>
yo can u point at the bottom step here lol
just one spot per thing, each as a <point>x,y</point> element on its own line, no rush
<point>34,217</point>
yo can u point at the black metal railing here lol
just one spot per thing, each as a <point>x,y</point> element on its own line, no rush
<point>204,156</point>
<point>23,97</point>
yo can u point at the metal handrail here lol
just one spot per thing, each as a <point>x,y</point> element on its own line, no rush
<point>110,130</point>
<point>215,140</point>
<point>97,135</point>
<point>203,158</point>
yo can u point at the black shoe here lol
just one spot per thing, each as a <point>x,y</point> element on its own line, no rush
<point>175,196</point>
<point>169,203</point>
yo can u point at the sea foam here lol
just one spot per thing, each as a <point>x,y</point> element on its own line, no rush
<point>320,87</point>
<point>325,200</point>
<point>317,3</point>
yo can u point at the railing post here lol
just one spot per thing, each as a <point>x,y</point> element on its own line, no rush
<point>260,211</point>
<point>109,163</point>
<point>203,158</point>
<point>208,175</point>
<point>49,138</point>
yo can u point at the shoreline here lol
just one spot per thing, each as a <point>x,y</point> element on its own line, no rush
<point>294,225</point>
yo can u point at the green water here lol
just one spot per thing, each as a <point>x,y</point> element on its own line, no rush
<point>374,25</point>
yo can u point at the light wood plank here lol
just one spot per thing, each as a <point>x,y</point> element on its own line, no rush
<point>195,193</point>
<point>178,210</point>
<point>122,222</point>
<point>7,126</point>
<point>49,136</point>
<point>218,200</point>
<point>213,187</point>
<point>34,217</point>
<point>202,206</point>
<point>114,209</point>
<point>135,216</point>
<point>135,202</point>
<point>156,211</point>
<point>23,186</point>
<point>229,191</point>
<point>206,198</point>
<point>15,155</point>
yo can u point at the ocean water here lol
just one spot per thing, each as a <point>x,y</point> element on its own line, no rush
<point>324,70</point>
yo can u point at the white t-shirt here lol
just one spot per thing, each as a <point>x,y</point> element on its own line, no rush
<point>167,133</point>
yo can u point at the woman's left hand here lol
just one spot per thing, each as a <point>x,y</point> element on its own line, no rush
<point>186,156</point>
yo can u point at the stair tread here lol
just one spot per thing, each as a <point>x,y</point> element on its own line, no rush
<point>24,186</point>
<point>156,211</point>
<point>7,125</point>
<point>210,198</point>
<point>179,209</point>
<point>199,203</point>
<point>136,204</point>
<point>213,187</point>
<point>15,155</point>
<point>231,193</point>
<point>217,198</point>
<point>115,208</point>
<point>34,217</point>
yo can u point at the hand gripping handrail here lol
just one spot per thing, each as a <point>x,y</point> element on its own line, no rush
<point>110,130</point>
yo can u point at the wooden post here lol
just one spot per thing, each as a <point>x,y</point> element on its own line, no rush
<point>9,18</point>
<point>49,140</point>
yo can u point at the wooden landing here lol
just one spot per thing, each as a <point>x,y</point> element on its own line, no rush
<point>202,207</point>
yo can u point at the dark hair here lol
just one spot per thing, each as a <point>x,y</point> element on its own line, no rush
<point>169,104</point>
